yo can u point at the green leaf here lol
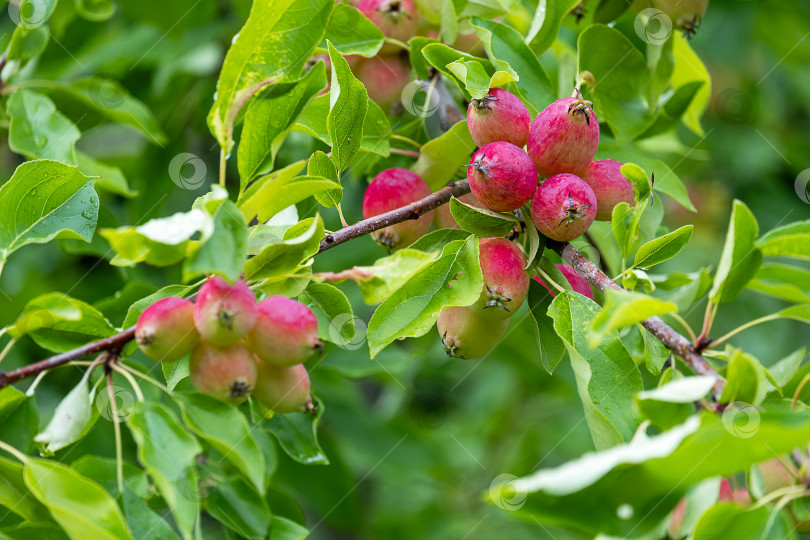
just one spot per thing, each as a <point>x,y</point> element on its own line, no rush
<point>27,43</point>
<point>237,505</point>
<point>740,258</point>
<point>60,323</point>
<point>671,404</point>
<point>226,430</point>
<point>784,370</point>
<point>621,73</point>
<point>609,10</point>
<point>297,433</point>
<point>476,79</point>
<point>649,475</point>
<point>95,10</point>
<point>799,313</point>
<point>174,372</point>
<point>270,117</point>
<point>663,248</point>
<point>159,242</point>
<point>729,520</point>
<point>745,379</point>
<point>101,99</point>
<point>626,308</point>
<point>143,522</point>
<point>352,33</point>
<point>689,68</point>
<point>376,131</point>
<point>334,312</point>
<point>285,529</point>
<point>789,283</point>
<point>300,242</point>
<point>546,23</point>
<point>19,419</point>
<point>441,158</point>
<point>551,346</point>
<point>109,178</point>
<point>69,419</point>
<point>348,103</point>
<point>225,251</point>
<point>255,59</point>
<point>379,281</point>
<point>14,494</point>
<point>273,193</point>
<point>440,56</point>
<point>607,378</point>
<point>509,53</point>
<point>38,131</point>
<point>481,221</point>
<point>82,507</point>
<point>792,240</point>
<point>453,279</point>
<point>46,200</point>
<point>321,165</point>
<point>168,453</point>
<point>104,471</point>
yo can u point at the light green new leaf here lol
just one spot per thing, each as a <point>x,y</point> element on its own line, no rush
<point>321,165</point>
<point>440,56</point>
<point>378,281</point>
<point>476,79</point>
<point>509,53</point>
<point>348,103</point>
<point>286,529</point>
<point>607,378</point>
<point>45,200</point>
<point>663,248</point>
<point>671,404</point>
<point>730,520</point>
<point>270,117</point>
<point>548,17</point>
<point>453,279</point>
<point>14,494</point>
<point>551,346</point>
<point>168,453</point>
<point>745,379</point>
<point>299,243</point>
<point>334,312</point>
<point>441,158</point>
<point>38,131</point>
<point>690,68</point>
<point>110,178</point>
<point>69,419</point>
<point>799,313</point>
<point>19,421</point>
<point>273,193</point>
<point>626,308</point>
<point>791,240</point>
<point>787,282</point>
<point>226,430</point>
<point>225,251</point>
<point>95,10</point>
<point>741,257</point>
<point>481,221</point>
<point>81,507</point>
<point>273,46</point>
<point>352,33</point>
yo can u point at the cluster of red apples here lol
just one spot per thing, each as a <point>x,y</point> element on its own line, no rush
<point>547,163</point>
<point>238,347</point>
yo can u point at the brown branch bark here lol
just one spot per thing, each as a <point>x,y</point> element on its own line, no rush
<point>664,333</point>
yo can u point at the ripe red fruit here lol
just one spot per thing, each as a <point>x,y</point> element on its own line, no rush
<point>286,332</point>
<point>466,335</point>
<point>506,283</point>
<point>444,218</point>
<point>578,283</point>
<point>392,189</point>
<point>564,136</point>
<point>498,116</point>
<point>165,330</point>
<point>223,314</point>
<point>396,19</point>
<point>685,14</point>
<point>228,373</point>
<point>384,78</point>
<point>283,389</point>
<point>609,185</point>
<point>502,177</point>
<point>563,207</point>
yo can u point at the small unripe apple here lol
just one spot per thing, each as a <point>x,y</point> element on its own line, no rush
<point>563,207</point>
<point>578,283</point>
<point>777,473</point>
<point>502,176</point>
<point>396,19</point>
<point>384,79</point>
<point>609,185</point>
<point>392,189</point>
<point>466,335</point>
<point>283,389</point>
<point>563,137</point>
<point>286,332</point>
<point>224,314</point>
<point>165,330</point>
<point>498,116</point>
<point>228,373</point>
<point>685,14</point>
<point>506,283</point>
